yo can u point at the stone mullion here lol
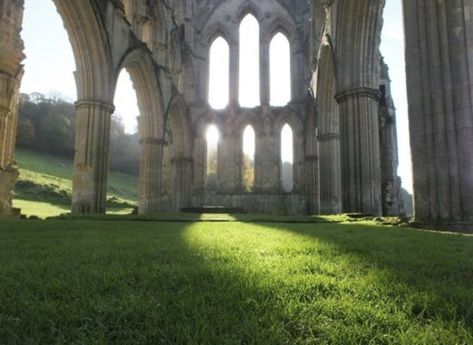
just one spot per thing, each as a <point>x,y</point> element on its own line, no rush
<point>265,84</point>
<point>151,162</point>
<point>89,193</point>
<point>361,171</point>
<point>234,73</point>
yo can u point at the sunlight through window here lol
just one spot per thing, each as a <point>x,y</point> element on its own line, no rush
<point>249,62</point>
<point>280,70</point>
<point>219,70</point>
<point>126,103</point>
<point>248,158</point>
<point>212,137</point>
<point>287,158</point>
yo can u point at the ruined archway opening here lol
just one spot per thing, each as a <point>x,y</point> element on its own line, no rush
<point>45,133</point>
<point>287,158</point>
<point>219,73</point>
<point>249,69</point>
<point>212,136</point>
<point>280,70</point>
<point>122,192</point>
<point>248,159</point>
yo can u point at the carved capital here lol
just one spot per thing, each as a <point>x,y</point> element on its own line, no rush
<point>152,141</point>
<point>358,93</point>
<point>328,136</point>
<point>105,107</point>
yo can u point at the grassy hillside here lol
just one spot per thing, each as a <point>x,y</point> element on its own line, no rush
<point>45,185</point>
<point>131,282</point>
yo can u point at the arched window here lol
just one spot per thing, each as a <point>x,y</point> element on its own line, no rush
<point>249,62</point>
<point>280,70</point>
<point>219,71</point>
<point>126,103</point>
<point>287,158</point>
<point>248,161</point>
<point>212,137</point>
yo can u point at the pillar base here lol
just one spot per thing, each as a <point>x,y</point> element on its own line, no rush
<point>8,178</point>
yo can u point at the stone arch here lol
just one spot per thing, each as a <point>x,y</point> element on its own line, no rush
<point>91,50</point>
<point>219,29</point>
<point>178,120</point>
<point>247,118</point>
<point>177,160</point>
<point>144,74</point>
<point>94,80</point>
<point>199,150</point>
<point>247,8</point>
<point>280,25</point>
<point>294,121</point>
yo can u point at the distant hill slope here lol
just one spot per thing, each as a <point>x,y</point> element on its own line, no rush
<point>48,179</point>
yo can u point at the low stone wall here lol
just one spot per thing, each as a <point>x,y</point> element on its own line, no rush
<point>281,204</point>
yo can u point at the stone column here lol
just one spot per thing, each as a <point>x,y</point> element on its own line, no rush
<point>182,181</point>
<point>89,188</point>
<point>151,162</point>
<point>234,74</point>
<point>439,58</point>
<point>361,171</point>
<point>329,171</point>
<point>265,85</point>
<point>11,72</point>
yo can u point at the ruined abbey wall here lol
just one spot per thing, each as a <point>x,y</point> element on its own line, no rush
<point>341,113</point>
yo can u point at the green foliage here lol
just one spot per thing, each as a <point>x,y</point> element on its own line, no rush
<point>48,125</point>
<point>124,282</point>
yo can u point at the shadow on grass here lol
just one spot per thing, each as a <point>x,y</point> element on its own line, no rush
<point>184,283</point>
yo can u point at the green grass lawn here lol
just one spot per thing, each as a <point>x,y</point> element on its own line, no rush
<point>45,186</point>
<point>132,282</point>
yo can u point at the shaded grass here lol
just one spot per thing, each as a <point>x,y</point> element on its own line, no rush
<point>137,282</point>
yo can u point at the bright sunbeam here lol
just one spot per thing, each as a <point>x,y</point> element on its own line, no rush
<point>280,70</point>
<point>219,71</point>
<point>249,141</point>
<point>126,104</point>
<point>287,151</point>
<point>212,135</point>
<point>249,62</point>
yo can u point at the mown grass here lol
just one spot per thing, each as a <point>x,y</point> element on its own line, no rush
<point>134,282</point>
<point>44,187</point>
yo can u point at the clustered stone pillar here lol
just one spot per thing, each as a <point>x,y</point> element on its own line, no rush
<point>11,72</point>
<point>439,60</point>
<point>89,192</point>
<point>361,171</point>
<point>151,162</point>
